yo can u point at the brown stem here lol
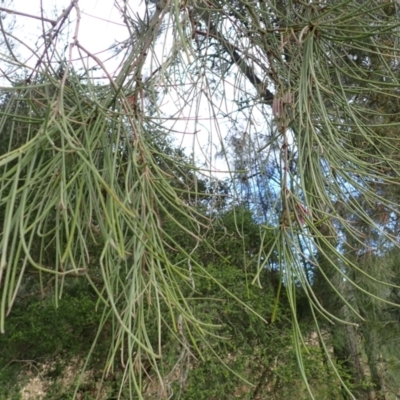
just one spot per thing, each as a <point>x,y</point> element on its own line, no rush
<point>8,11</point>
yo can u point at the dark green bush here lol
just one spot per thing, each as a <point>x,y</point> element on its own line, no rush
<point>37,332</point>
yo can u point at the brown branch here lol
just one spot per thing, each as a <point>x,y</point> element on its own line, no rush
<point>138,58</point>
<point>60,21</point>
<point>66,12</point>
<point>238,59</point>
<point>8,11</point>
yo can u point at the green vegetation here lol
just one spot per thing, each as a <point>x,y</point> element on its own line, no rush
<point>129,269</point>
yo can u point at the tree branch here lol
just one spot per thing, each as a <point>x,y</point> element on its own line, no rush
<point>240,62</point>
<point>8,11</point>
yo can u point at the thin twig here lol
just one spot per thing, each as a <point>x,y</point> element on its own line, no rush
<point>8,11</point>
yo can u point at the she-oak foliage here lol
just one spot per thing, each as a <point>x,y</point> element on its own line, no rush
<point>90,188</point>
